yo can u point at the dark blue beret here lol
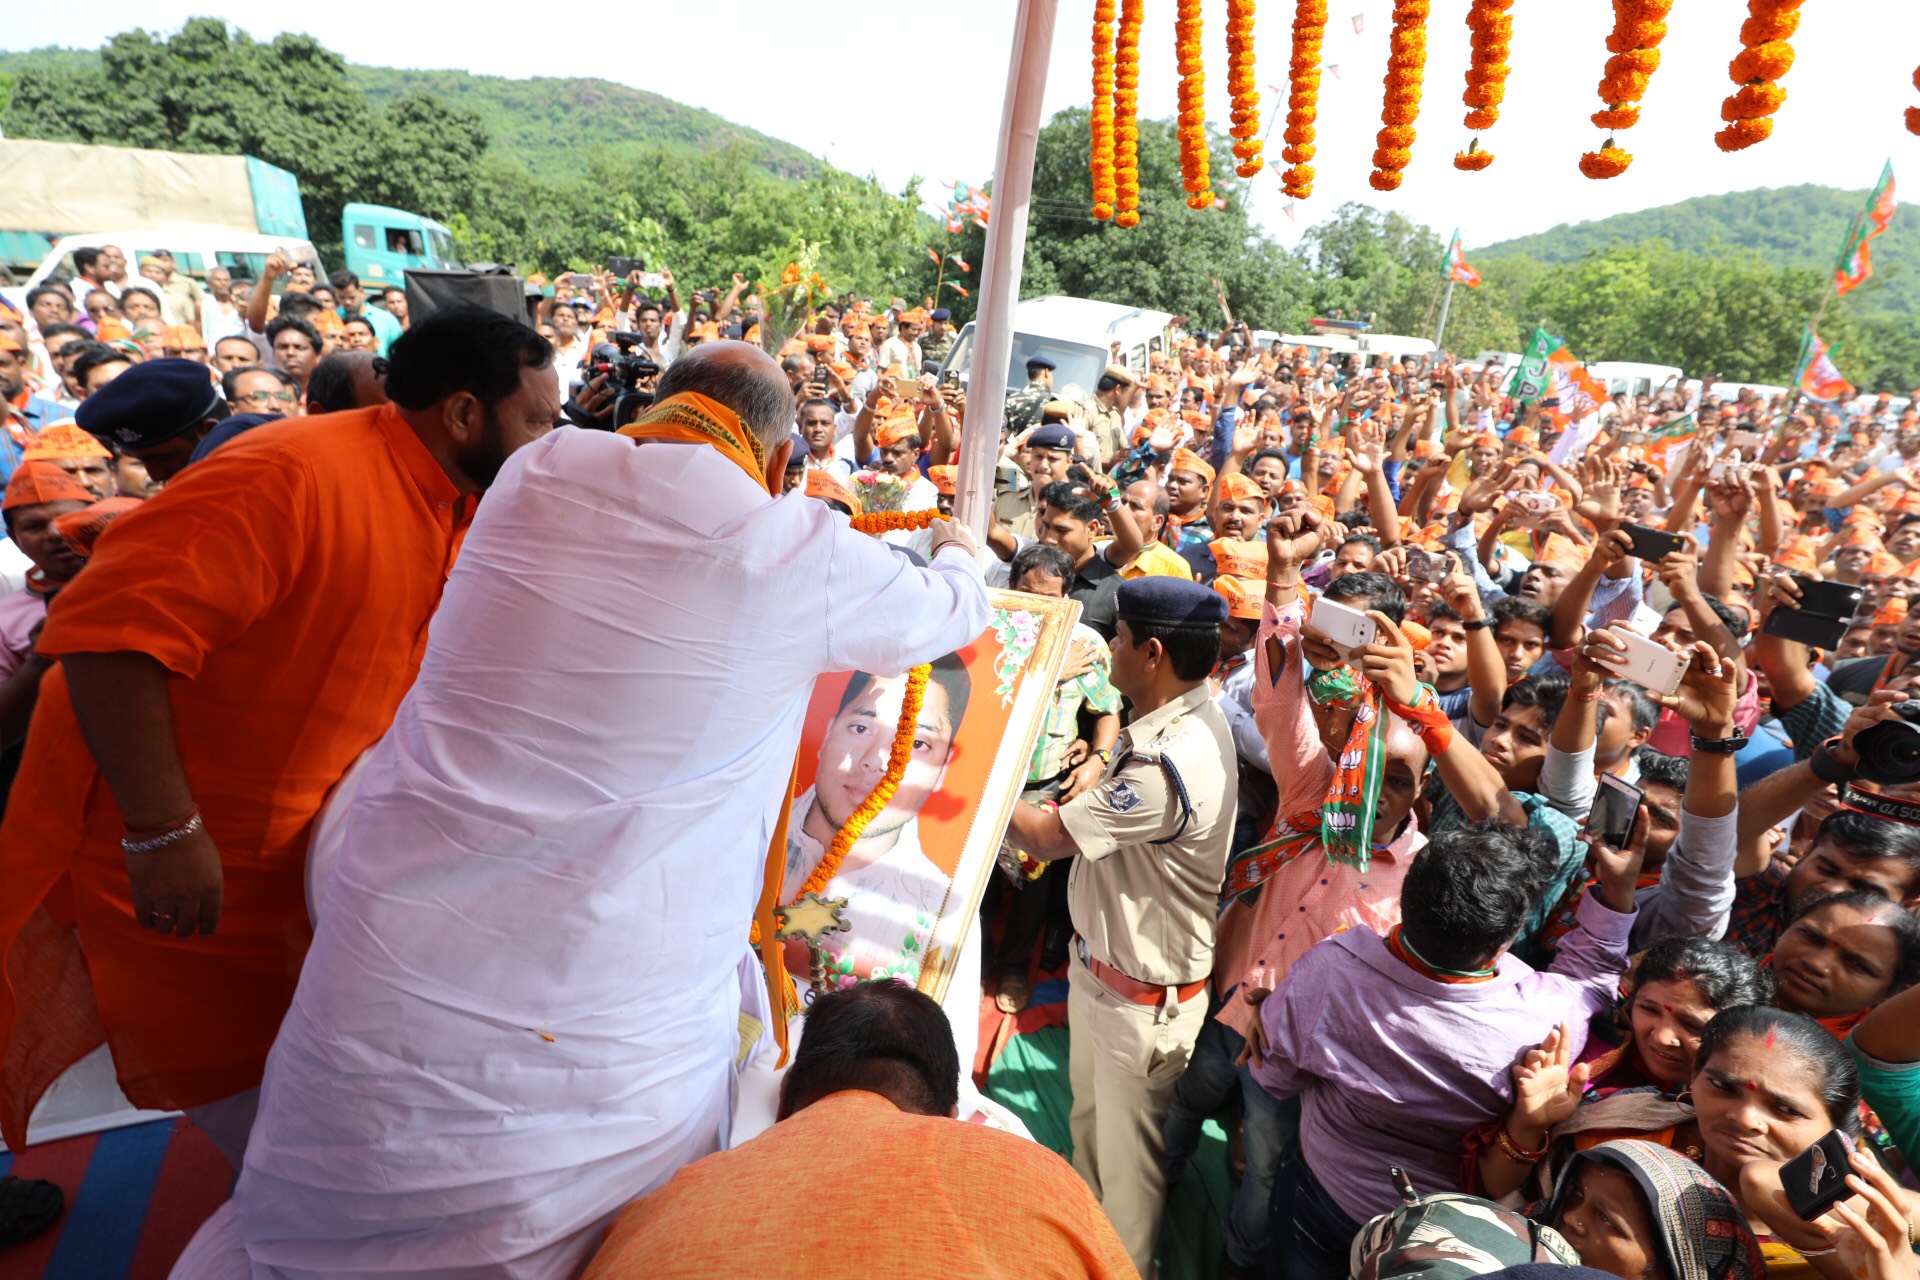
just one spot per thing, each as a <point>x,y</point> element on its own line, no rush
<point>1169,602</point>
<point>940,313</point>
<point>1051,436</point>
<point>1039,362</point>
<point>151,403</point>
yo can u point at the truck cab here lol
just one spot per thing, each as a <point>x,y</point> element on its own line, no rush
<point>382,244</point>
<point>1082,337</point>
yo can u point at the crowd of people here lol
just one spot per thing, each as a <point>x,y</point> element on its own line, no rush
<point>1464,799</point>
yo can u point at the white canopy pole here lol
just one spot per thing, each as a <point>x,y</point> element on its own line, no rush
<point>1000,267</point>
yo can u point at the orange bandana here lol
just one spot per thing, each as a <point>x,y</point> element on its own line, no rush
<point>691,418</point>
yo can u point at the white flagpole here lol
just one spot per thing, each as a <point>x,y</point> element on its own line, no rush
<point>1439,330</point>
<point>1000,267</point>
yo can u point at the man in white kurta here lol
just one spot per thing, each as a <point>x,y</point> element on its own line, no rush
<point>520,1009</point>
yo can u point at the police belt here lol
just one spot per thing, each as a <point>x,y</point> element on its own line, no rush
<point>1132,988</point>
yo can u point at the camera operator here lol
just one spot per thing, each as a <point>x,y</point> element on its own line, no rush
<point>616,386</point>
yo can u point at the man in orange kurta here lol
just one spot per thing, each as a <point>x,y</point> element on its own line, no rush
<point>874,1086</point>
<point>266,612</point>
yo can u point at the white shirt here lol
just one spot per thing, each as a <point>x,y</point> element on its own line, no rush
<point>568,359</point>
<point>520,1009</point>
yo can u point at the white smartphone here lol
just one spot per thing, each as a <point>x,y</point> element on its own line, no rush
<point>1346,629</point>
<point>1533,501</point>
<point>1653,667</point>
<point>1744,440</point>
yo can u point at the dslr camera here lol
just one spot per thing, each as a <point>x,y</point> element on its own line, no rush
<point>626,370</point>
<point>1890,751</point>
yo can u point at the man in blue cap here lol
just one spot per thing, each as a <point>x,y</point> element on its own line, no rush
<point>155,412</point>
<point>1149,845</point>
<point>1024,406</point>
<point>937,341</point>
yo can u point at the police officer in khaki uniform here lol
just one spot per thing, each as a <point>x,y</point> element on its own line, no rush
<point>1150,850</point>
<point>1107,412</point>
<point>1049,452</point>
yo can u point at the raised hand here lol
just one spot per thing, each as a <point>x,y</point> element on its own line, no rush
<point>1388,660</point>
<point>1547,1086</point>
<point>1295,538</point>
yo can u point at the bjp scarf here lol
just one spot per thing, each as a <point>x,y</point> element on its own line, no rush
<point>1346,819</point>
<point>691,418</point>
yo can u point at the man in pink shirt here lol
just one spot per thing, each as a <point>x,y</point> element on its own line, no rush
<point>1289,893</point>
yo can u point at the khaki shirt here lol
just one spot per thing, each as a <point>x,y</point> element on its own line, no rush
<point>1109,427</point>
<point>1018,509</point>
<point>1144,889</point>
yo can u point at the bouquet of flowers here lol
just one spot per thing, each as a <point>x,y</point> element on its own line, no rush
<point>879,491</point>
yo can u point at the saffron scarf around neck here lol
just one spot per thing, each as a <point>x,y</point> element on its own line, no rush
<point>691,418</point>
<point>1346,817</point>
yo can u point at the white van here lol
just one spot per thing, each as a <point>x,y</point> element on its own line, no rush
<point>1394,346</point>
<point>1634,378</point>
<point>194,249</point>
<point>1082,337</point>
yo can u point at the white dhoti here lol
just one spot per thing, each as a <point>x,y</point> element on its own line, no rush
<point>520,1008</point>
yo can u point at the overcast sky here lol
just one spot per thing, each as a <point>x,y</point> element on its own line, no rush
<point>930,80</point>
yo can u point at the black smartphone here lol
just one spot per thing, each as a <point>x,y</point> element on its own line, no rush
<point>1823,618</point>
<point>621,268</point>
<point>1653,544</point>
<point>1816,1179</point>
<point>1614,806</point>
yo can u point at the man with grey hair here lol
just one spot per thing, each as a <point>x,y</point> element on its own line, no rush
<point>521,1008</point>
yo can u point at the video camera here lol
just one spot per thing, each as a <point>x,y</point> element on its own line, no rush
<point>625,369</point>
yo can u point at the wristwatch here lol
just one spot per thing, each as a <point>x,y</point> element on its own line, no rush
<point>1106,756</point>
<point>1478,624</point>
<point>1720,746</point>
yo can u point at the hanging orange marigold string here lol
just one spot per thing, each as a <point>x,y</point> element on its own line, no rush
<point>1102,162</point>
<point>1126,115</point>
<point>1492,28</point>
<point>911,700</point>
<point>1913,113</point>
<point>1195,166</point>
<point>1406,64</point>
<point>1303,96</point>
<point>1638,28</point>
<point>1245,90</point>
<point>1757,70</point>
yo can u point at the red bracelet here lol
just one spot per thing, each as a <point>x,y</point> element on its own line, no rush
<point>1595,696</point>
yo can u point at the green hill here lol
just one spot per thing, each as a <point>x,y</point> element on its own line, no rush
<point>1788,226</point>
<point>544,124</point>
<point>547,124</point>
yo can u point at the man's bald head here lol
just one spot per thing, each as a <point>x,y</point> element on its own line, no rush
<point>742,377</point>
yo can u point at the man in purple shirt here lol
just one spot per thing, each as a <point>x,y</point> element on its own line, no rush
<point>1397,1047</point>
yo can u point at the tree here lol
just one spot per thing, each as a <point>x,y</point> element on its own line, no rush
<point>212,90</point>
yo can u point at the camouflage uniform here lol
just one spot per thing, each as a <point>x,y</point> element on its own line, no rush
<point>936,349</point>
<point>1024,406</point>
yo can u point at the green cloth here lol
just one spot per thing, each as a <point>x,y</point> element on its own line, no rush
<point>1892,1089</point>
<point>1030,1079</point>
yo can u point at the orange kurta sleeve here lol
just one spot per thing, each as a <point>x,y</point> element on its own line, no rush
<point>191,569</point>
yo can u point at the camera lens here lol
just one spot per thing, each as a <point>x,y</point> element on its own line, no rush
<point>1890,752</point>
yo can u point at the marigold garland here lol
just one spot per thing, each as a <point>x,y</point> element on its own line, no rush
<point>1126,115</point>
<point>1195,165</point>
<point>880,797</point>
<point>1102,156</point>
<point>1406,63</point>
<point>1245,90</point>
<point>1303,96</point>
<point>878,522</point>
<point>1492,28</point>
<point>1748,111</point>
<point>1638,28</point>
<point>1913,113</point>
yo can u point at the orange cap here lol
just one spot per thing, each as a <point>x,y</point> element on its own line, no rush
<point>83,528</point>
<point>64,440</point>
<point>1240,558</point>
<point>36,483</point>
<point>1188,460</point>
<point>1235,487</point>
<point>828,487</point>
<point>899,423</point>
<point>1243,595</point>
<point>946,479</point>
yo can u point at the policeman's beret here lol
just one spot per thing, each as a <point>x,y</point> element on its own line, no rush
<point>1039,362</point>
<point>940,314</point>
<point>1169,602</point>
<point>1051,436</point>
<point>151,403</point>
